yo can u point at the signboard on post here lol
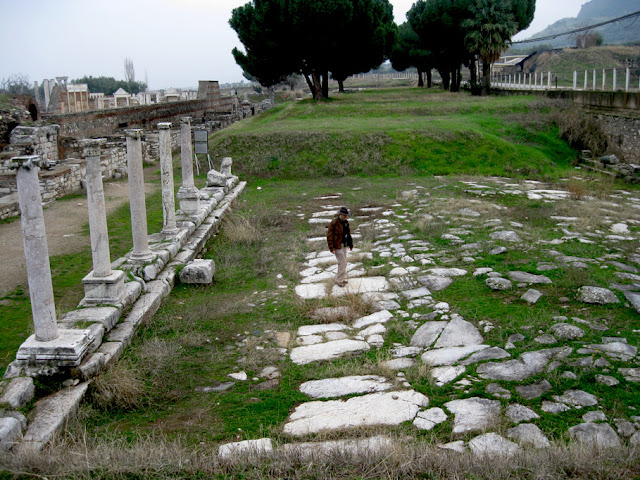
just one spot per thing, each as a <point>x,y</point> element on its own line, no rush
<point>201,140</point>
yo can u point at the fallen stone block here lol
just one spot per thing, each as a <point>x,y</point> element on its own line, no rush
<point>198,272</point>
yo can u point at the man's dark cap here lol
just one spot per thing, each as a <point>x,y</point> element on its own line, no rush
<point>344,211</point>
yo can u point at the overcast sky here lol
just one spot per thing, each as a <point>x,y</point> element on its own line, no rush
<point>173,43</point>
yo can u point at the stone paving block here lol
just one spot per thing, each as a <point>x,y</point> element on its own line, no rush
<point>388,408</point>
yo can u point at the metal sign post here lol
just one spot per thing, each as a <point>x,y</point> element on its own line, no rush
<point>201,145</point>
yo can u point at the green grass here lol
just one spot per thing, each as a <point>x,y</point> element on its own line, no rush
<point>398,131</point>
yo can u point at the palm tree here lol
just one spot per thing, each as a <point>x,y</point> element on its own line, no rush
<point>489,31</point>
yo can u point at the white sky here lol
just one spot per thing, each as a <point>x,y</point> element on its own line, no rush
<point>175,42</point>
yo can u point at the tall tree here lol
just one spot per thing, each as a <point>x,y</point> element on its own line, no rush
<point>408,52</point>
<point>366,42</point>
<point>311,38</point>
<point>489,28</point>
<point>129,70</point>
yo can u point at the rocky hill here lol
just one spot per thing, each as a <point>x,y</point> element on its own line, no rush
<point>593,12</point>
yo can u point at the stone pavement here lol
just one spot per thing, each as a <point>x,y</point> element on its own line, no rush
<point>452,350</point>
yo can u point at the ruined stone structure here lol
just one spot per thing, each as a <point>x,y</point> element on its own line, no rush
<point>86,341</point>
<point>207,107</point>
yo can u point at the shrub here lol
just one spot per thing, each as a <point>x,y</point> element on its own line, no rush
<point>581,131</point>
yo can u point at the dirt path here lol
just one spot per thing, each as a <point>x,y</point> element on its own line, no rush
<point>64,221</point>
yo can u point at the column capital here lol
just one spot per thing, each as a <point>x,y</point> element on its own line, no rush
<point>27,162</point>
<point>91,146</point>
<point>135,133</point>
<point>185,120</point>
<point>164,126</point>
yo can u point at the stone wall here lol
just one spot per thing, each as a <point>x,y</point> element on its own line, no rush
<point>41,141</point>
<point>624,134</point>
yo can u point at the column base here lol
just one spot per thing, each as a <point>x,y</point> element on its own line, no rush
<point>189,200</point>
<point>67,350</point>
<point>142,258</point>
<point>103,290</point>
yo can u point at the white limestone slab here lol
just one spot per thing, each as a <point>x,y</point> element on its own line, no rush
<point>459,332</point>
<point>318,277</point>
<point>339,387</point>
<point>311,291</point>
<point>492,444</point>
<point>246,448</point>
<point>446,374</point>
<point>389,408</point>
<point>327,351</point>
<point>398,363</point>
<point>429,418</point>
<point>427,334</point>
<point>375,329</point>
<point>448,272</point>
<point>382,316</point>
<point>449,355</point>
<point>473,414</point>
<point>362,285</point>
<point>322,328</point>
<point>416,293</point>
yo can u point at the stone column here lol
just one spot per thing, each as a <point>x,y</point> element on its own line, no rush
<point>604,79</point>
<point>166,167</point>
<point>102,285</point>
<point>575,79</point>
<point>188,193</point>
<point>586,79</point>
<point>615,79</point>
<point>141,252</point>
<point>549,80</point>
<point>595,78</point>
<point>36,251</point>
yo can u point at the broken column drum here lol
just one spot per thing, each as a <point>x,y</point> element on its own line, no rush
<point>35,248</point>
<point>102,285</point>
<point>188,194</point>
<point>141,252</point>
<point>166,168</point>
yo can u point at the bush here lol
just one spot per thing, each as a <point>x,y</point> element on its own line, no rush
<point>581,131</point>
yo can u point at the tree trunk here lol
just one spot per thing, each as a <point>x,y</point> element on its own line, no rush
<point>454,80</point>
<point>341,86</point>
<point>316,87</point>
<point>474,77</point>
<point>325,84</point>
<point>486,77</point>
<point>420,81</point>
<point>446,78</point>
<point>429,78</point>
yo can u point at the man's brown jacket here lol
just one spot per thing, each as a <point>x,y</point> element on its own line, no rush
<point>336,233</point>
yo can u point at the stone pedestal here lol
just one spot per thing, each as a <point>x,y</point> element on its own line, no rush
<point>169,226</point>
<point>188,193</point>
<point>141,253</point>
<point>107,290</point>
<point>66,350</point>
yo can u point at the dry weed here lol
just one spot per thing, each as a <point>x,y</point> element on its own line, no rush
<point>81,456</point>
<point>120,387</point>
<point>577,189</point>
<point>239,229</point>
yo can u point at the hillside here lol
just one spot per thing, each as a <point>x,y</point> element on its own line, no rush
<point>565,61</point>
<point>593,12</point>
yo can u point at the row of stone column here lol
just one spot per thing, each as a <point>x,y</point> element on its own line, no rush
<point>102,285</point>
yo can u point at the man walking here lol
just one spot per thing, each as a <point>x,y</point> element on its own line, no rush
<point>339,239</point>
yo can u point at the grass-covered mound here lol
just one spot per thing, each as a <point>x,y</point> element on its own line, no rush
<point>398,131</point>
